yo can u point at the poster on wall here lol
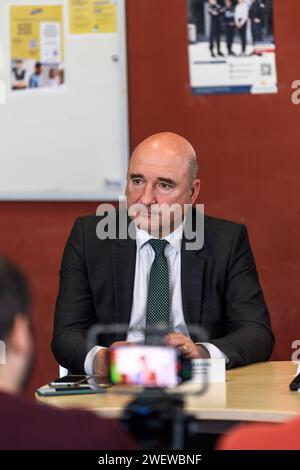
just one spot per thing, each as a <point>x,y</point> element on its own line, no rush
<point>92,16</point>
<point>36,44</point>
<point>231,46</point>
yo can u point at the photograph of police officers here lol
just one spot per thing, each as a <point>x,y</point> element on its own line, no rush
<point>232,27</point>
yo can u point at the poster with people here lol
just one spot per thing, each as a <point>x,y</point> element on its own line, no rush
<point>36,44</point>
<point>231,46</point>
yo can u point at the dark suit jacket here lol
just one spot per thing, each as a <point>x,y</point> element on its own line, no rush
<point>26,425</point>
<point>220,291</point>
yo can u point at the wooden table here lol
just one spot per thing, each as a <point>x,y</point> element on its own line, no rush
<point>259,392</point>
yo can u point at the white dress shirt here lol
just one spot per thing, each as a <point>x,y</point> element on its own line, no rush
<point>144,258</point>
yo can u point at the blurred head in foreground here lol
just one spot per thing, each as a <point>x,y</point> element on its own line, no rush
<point>16,341</point>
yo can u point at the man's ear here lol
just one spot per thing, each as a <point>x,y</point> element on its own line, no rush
<point>19,340</point>
<point>194,191</point>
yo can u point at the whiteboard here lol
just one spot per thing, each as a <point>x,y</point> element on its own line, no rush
<point>71,143</point>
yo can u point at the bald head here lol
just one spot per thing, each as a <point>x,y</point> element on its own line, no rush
<point>162,179</point>
<point>168,146</point>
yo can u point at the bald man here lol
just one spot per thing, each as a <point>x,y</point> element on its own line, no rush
<point>153,278</point>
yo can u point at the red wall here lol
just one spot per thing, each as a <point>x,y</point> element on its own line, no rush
<point>249,165</point>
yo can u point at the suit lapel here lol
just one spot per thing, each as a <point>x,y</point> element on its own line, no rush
<point>123,260</point>
<point>192,274</point>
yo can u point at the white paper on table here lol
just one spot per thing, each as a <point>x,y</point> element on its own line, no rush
<point>210,370</point>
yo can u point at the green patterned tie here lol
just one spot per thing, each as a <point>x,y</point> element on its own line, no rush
<point>158,291</point>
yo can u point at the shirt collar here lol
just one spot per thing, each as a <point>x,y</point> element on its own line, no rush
<point>174,238</point>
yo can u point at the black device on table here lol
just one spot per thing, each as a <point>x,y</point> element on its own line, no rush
<point>81,382</point>
<point>75,385</point>
<point>295,383</point>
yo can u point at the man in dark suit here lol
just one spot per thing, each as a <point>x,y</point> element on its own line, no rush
<point>256,14</point>
<point>147,280</point>
<point>215,11</point>
<point>26,425</point>
<point>229,23</point>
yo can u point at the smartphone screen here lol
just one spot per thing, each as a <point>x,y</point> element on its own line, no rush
<point>149,366</point>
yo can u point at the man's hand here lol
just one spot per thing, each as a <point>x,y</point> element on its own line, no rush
<point>186,346</point>
<point>101,360</point>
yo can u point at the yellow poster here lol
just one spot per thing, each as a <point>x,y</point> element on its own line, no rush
<point>92,16</point>
<point>36,42</point>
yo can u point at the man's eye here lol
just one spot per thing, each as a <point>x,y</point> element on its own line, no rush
<point>137,181</point>
<point>165,186</point>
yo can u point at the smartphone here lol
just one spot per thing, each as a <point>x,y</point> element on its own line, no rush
<point>148,366</point>
<point>69,381</point>
<point>79,381</point>
<point>54,392</point>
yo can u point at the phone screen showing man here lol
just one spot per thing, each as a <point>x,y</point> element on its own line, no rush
<point>148,366</point>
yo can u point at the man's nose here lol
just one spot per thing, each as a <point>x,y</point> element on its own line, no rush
<point>147,198</point>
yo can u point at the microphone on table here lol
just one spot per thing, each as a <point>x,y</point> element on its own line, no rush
<point>295,383</point>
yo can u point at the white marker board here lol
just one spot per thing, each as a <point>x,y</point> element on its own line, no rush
<point>71,143</point>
